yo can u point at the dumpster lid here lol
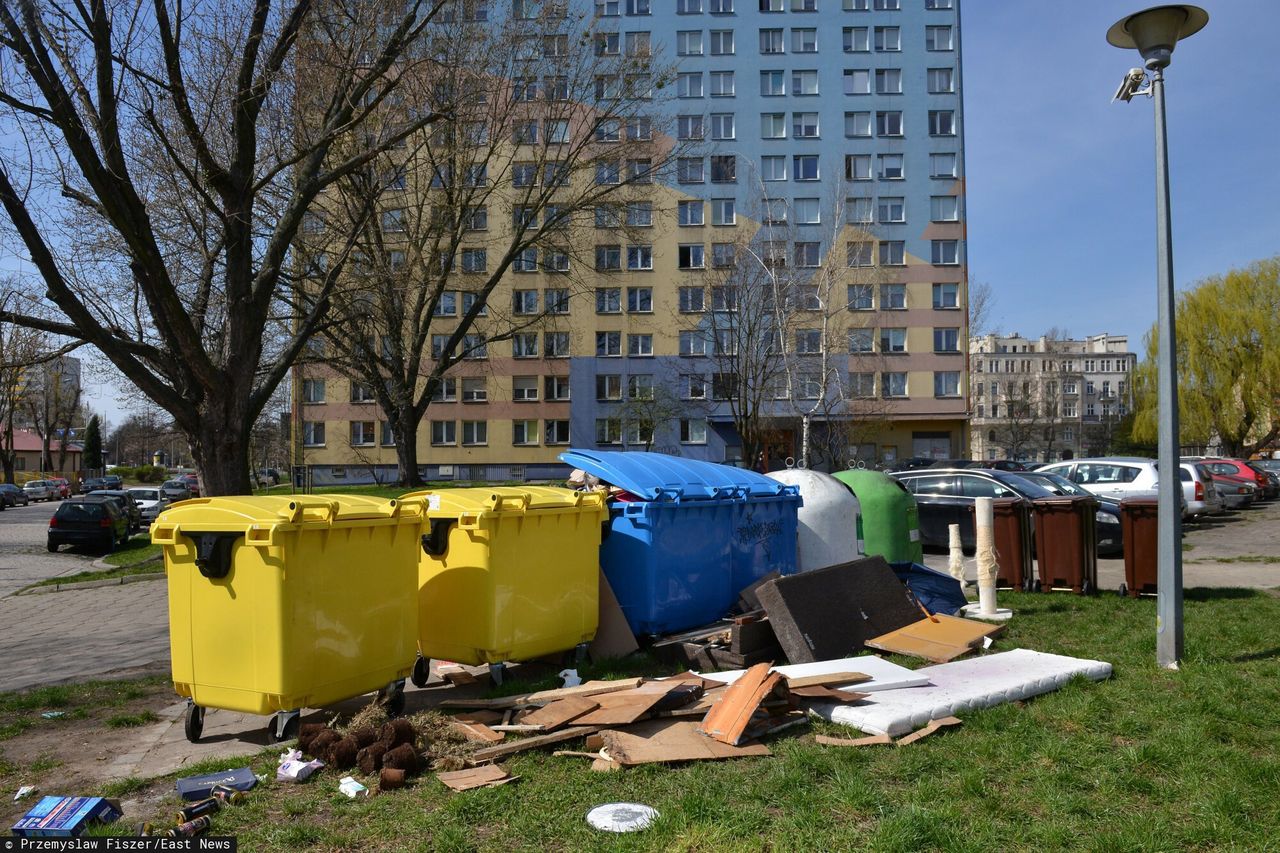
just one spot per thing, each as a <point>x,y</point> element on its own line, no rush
<point>654,475</point>
<point>450,502</point>
<point>237,510</point>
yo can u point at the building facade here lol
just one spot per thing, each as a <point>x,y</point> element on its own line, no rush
<point>822,138</point>
<point>1048,399</point>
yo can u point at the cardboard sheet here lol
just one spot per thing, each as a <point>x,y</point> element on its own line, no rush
<point>960,686</point>
<point>476,777</point>
<point>884,674</point>
<point>670,740</point>
<point>937,639</point>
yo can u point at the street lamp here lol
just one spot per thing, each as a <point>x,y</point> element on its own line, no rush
<point>1154,33</point>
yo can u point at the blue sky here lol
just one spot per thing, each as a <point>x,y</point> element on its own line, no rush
<point>1061,182</point>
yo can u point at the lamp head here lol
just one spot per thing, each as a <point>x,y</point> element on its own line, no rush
<point>1156,31</point>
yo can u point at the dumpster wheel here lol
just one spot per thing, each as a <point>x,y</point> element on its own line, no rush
<point>421,672</point>
<point>278,731</point>
<point>193,722</point>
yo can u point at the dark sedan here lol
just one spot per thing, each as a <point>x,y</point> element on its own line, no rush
<point>943,498</point>
<point>128,505</point>
<point>13,496</point>
<point>95,521</point>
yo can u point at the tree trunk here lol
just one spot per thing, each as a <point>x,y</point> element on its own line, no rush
<point>407,448</point>
<point>220,445</point>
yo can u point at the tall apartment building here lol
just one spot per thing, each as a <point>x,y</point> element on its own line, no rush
<point>820,137</point>
<point>1048,399</point>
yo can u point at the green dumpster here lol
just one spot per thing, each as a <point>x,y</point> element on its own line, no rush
<point>889,524</point>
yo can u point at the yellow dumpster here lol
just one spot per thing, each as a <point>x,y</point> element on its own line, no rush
<point>281,603</point>
<point>507,574</point>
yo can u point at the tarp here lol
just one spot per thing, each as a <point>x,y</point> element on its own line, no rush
<point>938,592</point>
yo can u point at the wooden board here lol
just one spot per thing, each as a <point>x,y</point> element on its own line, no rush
<point>556,714</point>
<point>938,639</point>
<point>627,706</point>
<point>514,746</point>
<point>828,694</point>
<point>613,635</point>
<point>670,740</point>
<point>543,697</point>
<point>827,679</point>
<point>487,718</point>
<point>873,740</point>
<point>729,718</point>
<point>476,777</point>
<point>476,732</point>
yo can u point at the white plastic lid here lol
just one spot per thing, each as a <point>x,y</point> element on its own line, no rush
<point>622,817</point>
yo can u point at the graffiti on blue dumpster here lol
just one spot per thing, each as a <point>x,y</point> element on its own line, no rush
<point>758,533</point>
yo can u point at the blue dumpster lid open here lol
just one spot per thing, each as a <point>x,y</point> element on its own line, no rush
<point>655,475</point>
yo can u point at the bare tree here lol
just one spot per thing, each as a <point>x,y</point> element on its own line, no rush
<point>52,402</point>
<point>982,306</point>
<point>173,150</point>
<point>21,350</point>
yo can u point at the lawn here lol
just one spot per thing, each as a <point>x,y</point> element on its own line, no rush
<point>1149,760</point>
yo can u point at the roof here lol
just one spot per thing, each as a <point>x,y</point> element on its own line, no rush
<point>29,440</point>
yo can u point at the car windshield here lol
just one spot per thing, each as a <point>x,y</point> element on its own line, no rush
<point>1054,483</point>
<point>1032,487</point>
<point>145,494</point>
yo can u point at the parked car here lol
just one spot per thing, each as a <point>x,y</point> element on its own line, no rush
<point>89,484</point>
<point>13,496</point>
<point>1198,490</point>
<point>39,490</point>
<point>1271,466</point>
<point>909,464</point>
<point>193,483</point>
<point>268,476</point>
<point>175,490</point>
<point>113,481</point>
<point>943,498</point>
<point>96,521</point>
<point>1240,468</point>
<point>1237,492</point>
<point>151,502</point>
<point>1118,478</point>
<point>127,504</point>
<point>64,486</point>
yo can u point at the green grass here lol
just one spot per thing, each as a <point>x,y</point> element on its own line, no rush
<point>1148,760</point>
<point>131,721</point>
<point>22,711</point>
<point>136,550</point>
<point>106,574</point>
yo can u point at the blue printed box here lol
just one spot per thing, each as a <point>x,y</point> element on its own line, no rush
<point>65,817</point>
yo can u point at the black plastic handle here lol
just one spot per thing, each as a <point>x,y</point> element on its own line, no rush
<point>213,552</point>
<point>436,542</point>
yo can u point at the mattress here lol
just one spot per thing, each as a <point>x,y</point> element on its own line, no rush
<point>959,686</point>
<point>884,675</point>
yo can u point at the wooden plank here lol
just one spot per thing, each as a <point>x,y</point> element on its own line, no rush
<point>487,718</point>
<point>939,638</point>
<point>476,732</point>
<point>543,697</point>
<point>827,680</point>
<point>556,714</point>
<point>729,718</point>
<point>706,632</point>
<point>524,744</point>
<point>934,725</point>
<point>828,694</point>
<point>518,728</point>
<point>670,740</point>
<point>724,658</point>
<point>625,707</point>
<point>860,741</point>
<point>476,777</point>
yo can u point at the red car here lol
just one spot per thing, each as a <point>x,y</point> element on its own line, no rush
<point>62,485</point>
<point>1243,470</point>
<point>193,483</point>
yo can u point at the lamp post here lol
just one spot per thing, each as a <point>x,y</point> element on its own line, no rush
<point>1154,33</point>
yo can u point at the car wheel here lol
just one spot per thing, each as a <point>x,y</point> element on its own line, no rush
<point>53,548</point>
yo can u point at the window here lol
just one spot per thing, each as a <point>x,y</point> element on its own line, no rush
<point>361,393</point>
<point>722,42</point>
<point>946,252</point>
<point>805,167</point>
<point>640,386</point>
<point>856,40</point>
<point>724,385</point>
<point>689,43</point>
<point>937,38</point>
<point>773,83</point>
<point>474,390</point>
<point>690,213</point>
<point>555,260</point>
<point>608,431</point>
<point>639,129</point>
<point>446,391</point>
<point>888,38</point>
<point>724,169</point>
<point>893,297</point>
<point>608,130</point>
<point>887,5</point>
<point>557,301</point>
<point>857,124</point>
<point>690,127</point>
<point>889,123</point>
<point>857,81</point>
<point>946,295</point>
<point>693,431</point>
<point>892,209</point>
<point>637,44</point>
<point>942,123</point>
<point>944,208</point>
<point>608,386</point>
<point>691,256</point>
<point>313,390</point>
<point>475,432</point>
<point>639,345</point>
<point>862,385</point>
<point>723,255</point>
<point>524,389</point>
<point>804,125</point>
<point>773,125</point>
<point>640,300</point>
<point>694,386</point>
<point>639,257</point>
<point>608,258</point>
<point>942,165</point>
<point>808,254</point>
<point>721,7</point>
<point>313,433</point>
<point>941,81</point>
<point>639,214</point>
<point>691,300</point>
<point>693,343</point>
<point>804,40</point>
<point>775,211</point>
<point>888,81</point>
<point>804,82</point>
<point>524,301</point>
<point>891,167</point>
<point>557,388</point>
<point>608,44</point>
<point>893,340</point>
<point>771,5</point>
<point>689,84</point>
<point>857,167</point>
<point>773,167</point>
<point>640,171</point>
<point>861,340</point>
<point>724,298</point>
<point>608,300</point>
<point>523,345</point>
<point>771,41</point>
<point>555,344</point>
<point>892,253</point>
<point>893,384</point>
<point>475,347</point>
<point>946,340</point>
<point>444,432</point>
<point>639,7</point>
<point>722,126</point>
<point>808,341</point>
<point>804,5</point>
<point>556,432</point>
<point>722,86</point>
<point>525,133</point>
<point>688,7</point>
<point>474,260</point>
<point>524,432</point>
<point>808,211</point>
<point>690,170</point>
<point>859,253</point>
<point>938,4</point>
<point>858,210</point>
<point>608,344</point>
<point>860,297</point>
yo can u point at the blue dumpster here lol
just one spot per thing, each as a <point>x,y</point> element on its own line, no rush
<point>695,535</point>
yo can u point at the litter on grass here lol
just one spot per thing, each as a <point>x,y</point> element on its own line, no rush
<point>622,817</point>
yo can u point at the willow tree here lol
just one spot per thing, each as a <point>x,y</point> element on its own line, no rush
<point>1228,362</point>
<point>168,153</point>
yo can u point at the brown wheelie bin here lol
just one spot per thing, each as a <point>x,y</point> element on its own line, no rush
<point>1139,527</point>
<point>1066,550</point>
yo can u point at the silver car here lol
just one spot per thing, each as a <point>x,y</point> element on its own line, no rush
<point>1120,477</point>
<point>1199,491</point>
<point>151,502</point>
<point>40,490</point>
<point>175,490</point>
